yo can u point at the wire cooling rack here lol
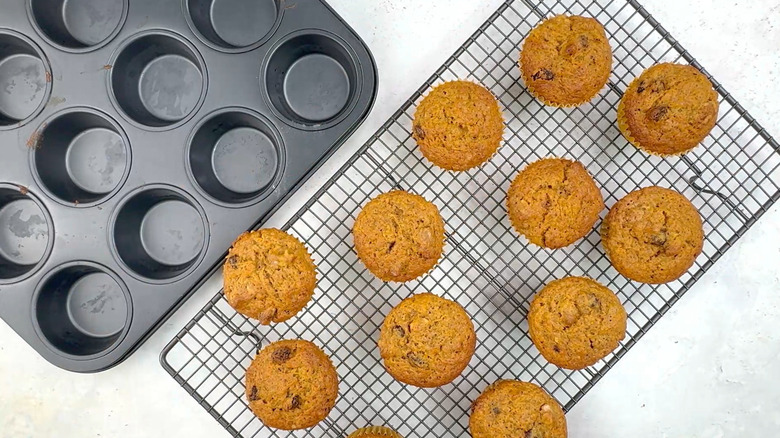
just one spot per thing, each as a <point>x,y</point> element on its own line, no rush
<point>732,179</point>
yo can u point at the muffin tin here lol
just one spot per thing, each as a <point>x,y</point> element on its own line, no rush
<point>140,137</point>
<point>733,178</point>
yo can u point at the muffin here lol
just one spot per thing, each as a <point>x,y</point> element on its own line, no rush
<point>566,60</point>
<point>668,110</point>
<point>291,385</point>
<point>554,202</point>
<point>399,236</point>
<point>269,276</point>
<point>575,322</point>
<point>512,409</point>
<point>653,235</point>
<point>375,432</point>
<point>458,125</point>
<point>427,341</point>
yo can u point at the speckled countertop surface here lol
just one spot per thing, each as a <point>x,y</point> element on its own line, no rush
<point>708,369</point>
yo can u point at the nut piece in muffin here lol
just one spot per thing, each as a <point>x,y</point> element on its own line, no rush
<point>575,322</point>
<point>554,202</point>
<point>513,409</point>
<point>566,60</point>
<point>458,125</point>
<point>653,235</point>
<point>269,276</point>
<point>291,385</point>
<point>375,432</point>
<point>399,236</point>
<point>427,341</point>
<point>668,110</point>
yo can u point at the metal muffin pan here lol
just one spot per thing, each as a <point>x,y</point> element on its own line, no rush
<point>138,138</point>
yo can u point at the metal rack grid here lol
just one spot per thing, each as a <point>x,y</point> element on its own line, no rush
<point>733,178</point>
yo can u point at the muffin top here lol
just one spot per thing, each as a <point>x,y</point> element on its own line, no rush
<point>575,322</point>
<point>512,409</point>
<point>291,385</point>
<point>566,60</point>
<point>269,276</point>
<point>553,202</point>
<point>427,341</point>
<point>375,432</point>
<point>669,109</point>
<point>653,235</point>
<point>458,125</point>
<point>399,236</point>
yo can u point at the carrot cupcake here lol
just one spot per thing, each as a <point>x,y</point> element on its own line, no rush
<point>575,322</point>
<point>427,341</point>
<point>399,236</point>
<point>512,409</point>
<point>653,235</point>
<point>269,276</point>
<point>458,125</point>
<point>566,60</point>
<point>668,110</point>
<point>291,385</point>
<point>554,202</point>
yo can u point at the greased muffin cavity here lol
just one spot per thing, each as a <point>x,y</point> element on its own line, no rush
<point>513,409</point>
<point>269,276</point>
<point>554,202</point>
<point>575,322</point>
<point>668,110</point>
<point>566,60</point>
<point>458,125</point>
<point>427,341</point>
<point>399,236</point>
<point>291,385</point>
<point>653,235</point>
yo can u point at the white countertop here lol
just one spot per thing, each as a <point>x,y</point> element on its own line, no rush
<point>708,369</point>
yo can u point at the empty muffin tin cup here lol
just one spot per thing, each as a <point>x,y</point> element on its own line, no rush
<point>311,80</point>
<point>235,156</point>
<point>157,80</point>
<point>78,25</point>
<point>159,233</point>
<point>233,26</point>
<point>82,310</point>
<point>25,230</point>
<point>82,156</point>
<point>25,79</point>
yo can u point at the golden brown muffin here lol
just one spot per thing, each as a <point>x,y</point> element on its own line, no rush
<point>399,236</point>
<point>575,322</point>
<point>668,110</point>
<point>291,385</point>
<point>512,409</point>
<point>427,341</point>
<point>375,432</point>
<point>653,235</point>
<point>458,125</point>
<point>269,276</point>
<point>566,60</point>
<point>554,202</point>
